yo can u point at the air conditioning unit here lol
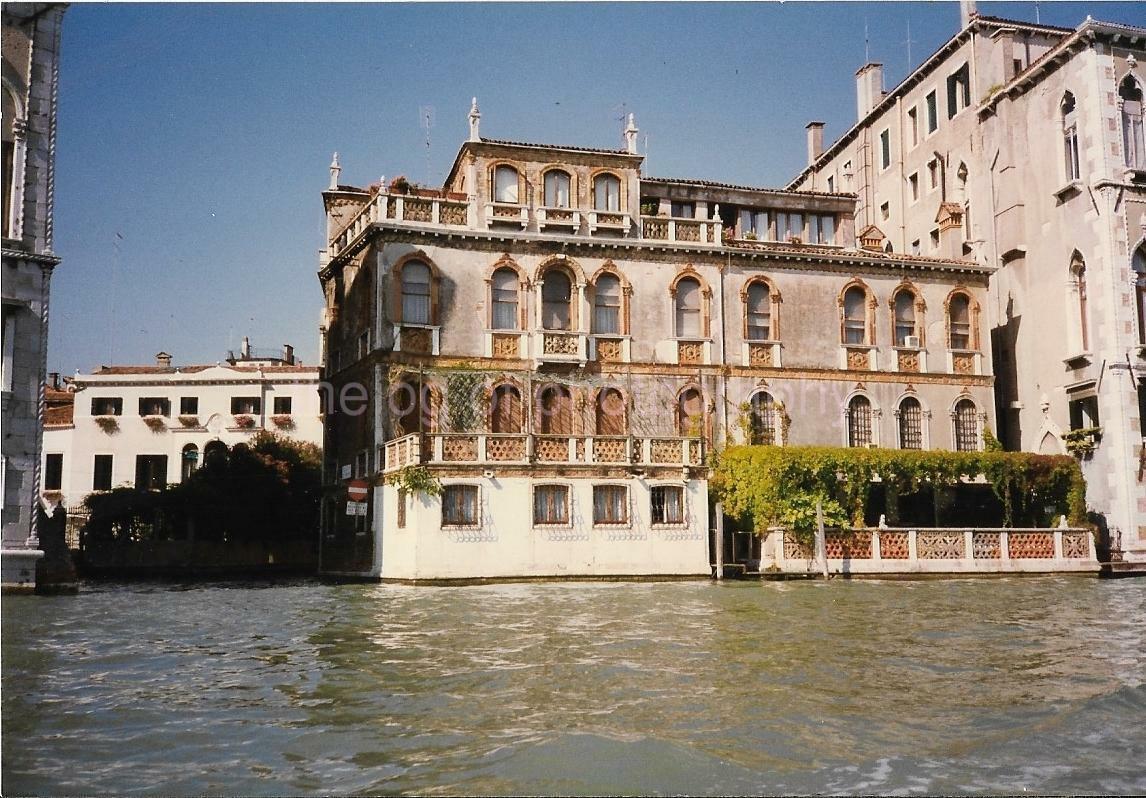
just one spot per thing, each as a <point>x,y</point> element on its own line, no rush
<point>911,341</point>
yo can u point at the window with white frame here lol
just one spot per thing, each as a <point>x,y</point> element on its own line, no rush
<point>556,300</point>
<point>905,326</point>
<point>958,90</point>
<point>154,406</point>
<point>557,185</point>
<point>759,312</point>
<point>667,505</point>
<point>460,505</point>
<point>416,292</point>
<point>688,311</point>
<point>855,316</point>
<point>610,505</point>
<point>966,426</point>
<point>885,149</point>
<point>1070,137</point>
<point>931,104</point>
<point>754,223</point>
<point>503,289</point>
<point>607,305</point>
<point>551,505</point>
<point>107,406</point>
<point>1133,141</point>
<point>959,322</point>
<point>607,193</point>
<point>822,228</point>
<point>505,185</point>
<point>789,226</point>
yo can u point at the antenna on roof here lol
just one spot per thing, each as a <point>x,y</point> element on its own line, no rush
<point>623,118</point>
<point>1037,20</point>
<point>908,42</point>
<point>866,43</point>
<point>426,119</point>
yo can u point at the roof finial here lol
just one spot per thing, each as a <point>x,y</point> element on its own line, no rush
<point>335,169</point>
<point>475,119</point>
<point>631,135</point>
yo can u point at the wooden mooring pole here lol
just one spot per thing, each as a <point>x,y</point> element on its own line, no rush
<point>718,532</point>
<point>821,537</point>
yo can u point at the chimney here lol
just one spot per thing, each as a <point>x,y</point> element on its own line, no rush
<point>815,141</point>
<point>475,121</point>
<point>288,354</point>
<point>967,12</point>
<point>631,132</point>
<point>869,88</point>
<point>245,351</point>
<point>163,360</point>
<point>335,169</point>
<point>54,380</point>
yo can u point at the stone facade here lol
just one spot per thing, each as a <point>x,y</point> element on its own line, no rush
<point>561,341</point>
<point>31,36</point>
<point>1033,163</point>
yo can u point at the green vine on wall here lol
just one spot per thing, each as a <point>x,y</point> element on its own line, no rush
<point>770,486</point>
<point>414,479</point>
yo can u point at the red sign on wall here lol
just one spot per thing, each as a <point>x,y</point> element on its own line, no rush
<point>357,490</point>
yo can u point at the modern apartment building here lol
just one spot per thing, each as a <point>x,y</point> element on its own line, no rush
<point>558,342</point>
<point>1020,146</point>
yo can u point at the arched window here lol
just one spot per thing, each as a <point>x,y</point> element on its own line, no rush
<point>1130,94</point>
<point>690,413</point>
<point>506,415</point>
<point>888,248</point>
<point>959,322</point>
<point>910,424</point>
<point>190,461</point>
<point>411,407</point>
<point>504,287</point>
<point>554,410</point>
<point>505,184</point>
<point>762,419</point>
<point>607,193</point>
<point>759,312</point>
<point>610,412</point>
<point>1070,137</point>
<point>556,301</point>
<point>607,305</point>
<point>905,326</point>
<point>1139,264</point>
<point>1078,276</point>
<point>688,318</point>
<point>215,454</point>
<point>859,422</point>
<point>416,293</point>
<point>855,316</point>
<point>9,120</point>
<point>966,426</point>
<point>557,189</point>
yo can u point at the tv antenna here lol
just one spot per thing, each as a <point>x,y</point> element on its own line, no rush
<point>623,108</point>
<point>426,120</point>
<point>909,42</point>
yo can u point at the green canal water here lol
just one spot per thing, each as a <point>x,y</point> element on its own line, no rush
<point>1004,685</point>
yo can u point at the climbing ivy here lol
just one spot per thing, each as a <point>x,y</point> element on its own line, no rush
<point>463,399</point>
<point>414,479</point>
<point>771,486</point>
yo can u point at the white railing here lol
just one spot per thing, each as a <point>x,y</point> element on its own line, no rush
<point>685,231</point>
<point>408,208</point>
<point>935,550</point>
<point>490,448</point>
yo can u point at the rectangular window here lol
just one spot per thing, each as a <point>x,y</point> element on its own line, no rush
<point>363,344</point>
<point>154,406</point>
<point>401,508</point>
<point>915,248</point>
<point>1084,412</point>
<point>913,125</point>
<point>1070,147</point>
<point>885,211</point>
<point>246,405</point>
<point>913,186</point>
<point>9,324</point>
<point>789,226</point>
<point>189,406</point>
<point>958,91</point>
<point>610,504</point>
<point>282,405</point>
<point>53,471</point>
<point>885,149</point>
<point>460,505</point>
<point>667,504</point>
<point>932,113</point>
<point>831,184</point>
<point>684,210</point>
<point>823,229</point>
<point>935,239</point>
<point>551,504</point>
<point>753,223</point>
<point>107,406</point>
<point>150,471</point>
<point>101,472</point>
<point>933,174</point>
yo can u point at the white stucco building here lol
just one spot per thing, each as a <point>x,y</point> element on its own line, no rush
<point>1021,146</point>
<point>146,426</point>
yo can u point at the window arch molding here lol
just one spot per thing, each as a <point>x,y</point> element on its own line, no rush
<point>576,276</point>
<point>919,305</point>
<point>413,394</point>
<point>611,408</point>
<point>853,422</point>
<point>558,169</point>
<point>967,422</point>
<point>622,198</point>
<point>684,421</point>
<point>774,300</point>
<point>13,221</point>
<point>523,286</point>
<point>774,426</point>
<point>902,418</point>
<point>973,311</point>
<point>497,415</point>
<point>689,272</point>
<point>1132,112</point>
<point>509,193</point>
<point>870,305</point>
<point>1068,117</point>
<point>1138,286</point>
<point>397,275</point>
<point>609,268</point>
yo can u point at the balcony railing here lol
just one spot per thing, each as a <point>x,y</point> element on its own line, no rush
<point>687,231</point>
<point>489,448</point>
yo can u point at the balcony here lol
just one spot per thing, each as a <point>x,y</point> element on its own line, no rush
<point>563,220</point>
<point>482,448</point>
<point>685,231</point>
<point>553,346</point>
<point>506,213</point>
<point>401,208</point>
<point>608,222</point>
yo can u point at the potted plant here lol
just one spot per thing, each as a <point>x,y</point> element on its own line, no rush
<point>283,421</point>
<point>750,235</point>
<point>155,423</point>
<point>400,185</point>
<point>189,421</point>
<point>243,421</point>
<point>1082,442</point>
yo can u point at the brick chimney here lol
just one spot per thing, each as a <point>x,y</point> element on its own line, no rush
<point>869,88</point>
<point>163,360</point>
<point>288,354</point>
<point>815,141</point>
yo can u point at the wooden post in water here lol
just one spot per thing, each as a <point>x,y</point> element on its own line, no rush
<point>821,537</point>
<point>719,534</point>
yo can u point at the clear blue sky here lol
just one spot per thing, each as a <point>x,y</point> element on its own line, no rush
<point>202,134</point>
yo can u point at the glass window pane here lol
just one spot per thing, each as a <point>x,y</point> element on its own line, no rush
<point>556,189</point>
<point>505,184</point>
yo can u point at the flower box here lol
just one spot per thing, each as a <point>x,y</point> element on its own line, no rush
<point>108,424</point>
<point>155,423</point>
<point>245,422</point>
<point>189,421</point>
<point>283,421</point>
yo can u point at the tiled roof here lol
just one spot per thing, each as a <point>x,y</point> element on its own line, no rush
<point>555,147</point>
<point>733,186</point>
<point>127,370</point>
<point>812,249</point>
<point>60,407</point>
